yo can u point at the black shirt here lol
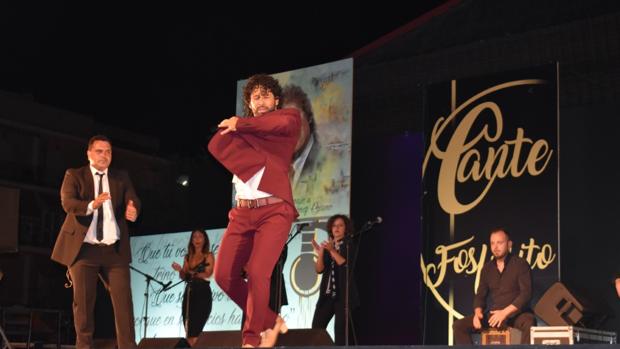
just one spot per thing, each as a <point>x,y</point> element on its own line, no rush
<point>512,286</point>
<point>340,276</point>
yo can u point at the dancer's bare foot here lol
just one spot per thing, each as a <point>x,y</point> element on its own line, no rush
<point>268,338</point>
<point>192,341</point>
<point>280,325</point>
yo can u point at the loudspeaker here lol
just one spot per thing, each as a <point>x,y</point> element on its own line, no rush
<point>305,337</point>
<point>177,342</point>
<point>560,306</point>
<point>218,339</point>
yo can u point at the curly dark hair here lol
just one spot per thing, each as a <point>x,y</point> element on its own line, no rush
<point>347,223</point>
<point>293,94</point>
<point>260,80</point>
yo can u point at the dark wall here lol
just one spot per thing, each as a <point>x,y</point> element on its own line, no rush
<point>589,204</point>
<point>475,38</point>
<point>387,184</point>
<point>502,36</point>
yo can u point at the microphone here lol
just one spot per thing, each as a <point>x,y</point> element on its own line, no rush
<point>377,220</point>
<point>302,225</point>
<point>166,285</point>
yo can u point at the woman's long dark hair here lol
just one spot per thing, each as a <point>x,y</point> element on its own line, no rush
<point>205,247</point>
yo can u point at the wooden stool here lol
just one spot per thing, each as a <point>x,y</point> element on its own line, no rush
<point>494,336</point>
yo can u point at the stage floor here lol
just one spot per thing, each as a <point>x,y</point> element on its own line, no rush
<point>109,345</point>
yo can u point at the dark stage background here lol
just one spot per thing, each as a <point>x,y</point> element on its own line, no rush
<point>459,40</point>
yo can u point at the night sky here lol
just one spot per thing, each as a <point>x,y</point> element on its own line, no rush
<point>170,69</point>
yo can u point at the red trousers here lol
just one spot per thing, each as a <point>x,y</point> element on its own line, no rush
<point>253,239</point>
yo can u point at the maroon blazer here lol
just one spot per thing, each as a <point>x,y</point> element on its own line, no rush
<point>77,191</point>
<point>267,140</point>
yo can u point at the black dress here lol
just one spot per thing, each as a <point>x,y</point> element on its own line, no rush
<point>197,302</point>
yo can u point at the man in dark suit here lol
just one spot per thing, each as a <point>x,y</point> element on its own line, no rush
<point>258,150</point>
<point>94,241</point>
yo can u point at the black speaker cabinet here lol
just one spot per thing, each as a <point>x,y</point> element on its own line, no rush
<point>305,337</point>
<point>560,306</point>
<point>218,339</point>
<point>161,343</point>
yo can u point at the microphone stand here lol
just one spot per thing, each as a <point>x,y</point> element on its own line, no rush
<point>148,279</point>
<point>3,340</point>
<point>173,285</point>
<point>366,227</point>
<point>280,267</point>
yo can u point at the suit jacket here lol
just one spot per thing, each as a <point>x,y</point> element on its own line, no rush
<point>264,141</point>
<point>77,191</point>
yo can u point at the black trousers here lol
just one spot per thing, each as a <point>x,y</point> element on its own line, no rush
<point>198,301</point>
<point>464,327</point>
<point>325,309</point>
<point>94,262</point>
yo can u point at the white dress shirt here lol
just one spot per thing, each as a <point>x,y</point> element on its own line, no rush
<point>249,190</point>
<point>111,232</point>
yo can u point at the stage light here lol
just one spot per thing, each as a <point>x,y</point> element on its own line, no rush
<point>183,180</point>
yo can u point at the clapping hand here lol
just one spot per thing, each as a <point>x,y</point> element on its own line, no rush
<point>100,199</point>
<point>176,266</point>
<point>317,248</point>
<point>328,245</point>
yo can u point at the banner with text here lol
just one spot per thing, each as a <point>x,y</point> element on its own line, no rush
<point>491,160</point>
<point>153,255</point>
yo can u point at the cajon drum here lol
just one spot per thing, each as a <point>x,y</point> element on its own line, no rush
<point>494,336</point>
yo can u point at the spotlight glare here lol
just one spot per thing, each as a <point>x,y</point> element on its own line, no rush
<point>183,180</point>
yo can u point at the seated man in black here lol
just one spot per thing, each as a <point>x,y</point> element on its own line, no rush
<point>506,279</point>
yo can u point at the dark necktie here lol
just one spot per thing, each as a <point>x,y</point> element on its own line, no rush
<point>100,209</point>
